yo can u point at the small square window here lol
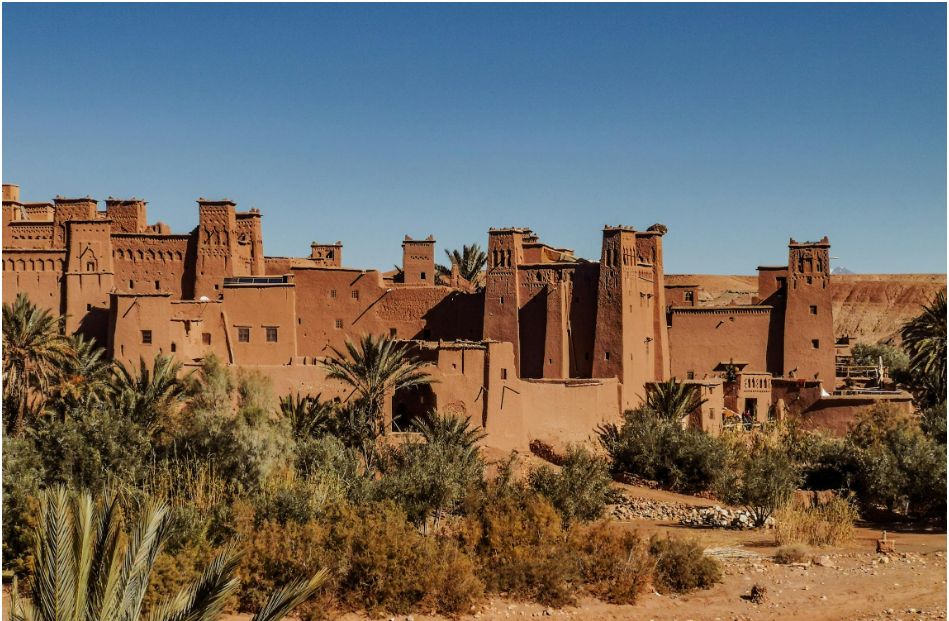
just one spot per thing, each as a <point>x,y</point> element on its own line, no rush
<point>355,294</point>
<point>393,332</point>
<point>206,338</point>
<point>813,310</point>
<point>88,307</point>
<point>815,343</point>
<point>217,287</point>
<point>423,275</point>
<point>688,296</point>
<point>339,324</point>
<point>271,335</point>
<point>690,375</point>
<point>810,280</point>
<point>146,337</point>
<point>332,293</point>
<point>174,347</point>
<point>243,335</point>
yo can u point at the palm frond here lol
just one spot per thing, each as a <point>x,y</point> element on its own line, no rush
<point>284,600</point>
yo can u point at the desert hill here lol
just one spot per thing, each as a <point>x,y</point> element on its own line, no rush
<point>869,307</point>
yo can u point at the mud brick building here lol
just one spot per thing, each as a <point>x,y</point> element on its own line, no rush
<point>554,344</point>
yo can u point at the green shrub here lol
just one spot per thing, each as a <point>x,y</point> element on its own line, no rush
<point>767,480</point>
<point>785,555</point>
<point>933,422</point>
<point>582,488</point>
<point>685,460</point>
<point>614,564</point>
<point>894,359</point>
<point>681,565</point>
<point>428,480</point>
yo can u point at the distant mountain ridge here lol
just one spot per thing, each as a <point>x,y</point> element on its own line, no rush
<point>868,307</point>
<point>840,270</point>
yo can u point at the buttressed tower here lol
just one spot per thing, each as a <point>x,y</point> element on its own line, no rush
<point>217,224</point>
<point>631,342</point>
<point>808,319</point>
<point>501,300</point>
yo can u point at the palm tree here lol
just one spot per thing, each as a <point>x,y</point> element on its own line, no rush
<point>451,431</point>
<point>924,337</point>
<point>148,395</point>
<point>34,351</point>
<point>85,378</point>
<point>673,400</point>
<point>470,261</point>
<point>307,415</point>
<point>86,570</point>
<point>375,367</point>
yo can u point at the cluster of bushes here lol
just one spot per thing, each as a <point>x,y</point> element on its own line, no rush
<point>304,483</point>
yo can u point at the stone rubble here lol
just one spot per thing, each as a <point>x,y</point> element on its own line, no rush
<point>718,517</point>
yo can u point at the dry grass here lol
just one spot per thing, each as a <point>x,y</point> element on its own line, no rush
<point>795,553</point>
<point>829,524</point>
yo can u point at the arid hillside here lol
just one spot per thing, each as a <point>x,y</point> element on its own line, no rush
<point>869,307</point>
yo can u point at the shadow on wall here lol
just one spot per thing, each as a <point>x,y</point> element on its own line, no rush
<point>457,317</point>
<point>411,403</point>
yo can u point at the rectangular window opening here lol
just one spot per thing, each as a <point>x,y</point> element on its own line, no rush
<point>271,335</point>
<point>146,337</point>
<point>243,335</point>
<point>206,338</point>
<point>815,343</point>
<point>813,310</point>
<point>339,324</point>
<point>355,294</point>
<point>504,374</point>
<point>332,293</point>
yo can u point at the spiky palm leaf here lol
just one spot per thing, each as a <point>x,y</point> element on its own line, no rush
<point>375,367</point>
<point>34,351</point>
<point>451,432</point>
<point>307,415</point>
<point>146,396</point>
<point>924,337</point>
<point>470,261</point>
<point>84,379</point>
<point>673,400</point>
<point>85,571</point>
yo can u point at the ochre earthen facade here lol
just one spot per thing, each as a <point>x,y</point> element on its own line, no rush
<point>552,346</point>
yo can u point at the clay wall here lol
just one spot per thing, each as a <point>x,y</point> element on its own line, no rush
<point>772,280</point>
<point>261,323</point>
<point>88,278</point>
<point>149,263</point>
<point>216,247</point>
<point>501,296</point>
<point>29,234</point>
<point>36,272</point>
<point>704,339</point>
<point>188,329</point>
<point>70,209</point>
<point>334,304</point>
<point>250,243</point>
<point>836,413</point>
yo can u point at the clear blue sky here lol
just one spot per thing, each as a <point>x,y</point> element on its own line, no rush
<point>737,126</point>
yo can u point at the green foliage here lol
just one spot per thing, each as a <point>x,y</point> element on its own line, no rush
<point>924,338</point>
<point>580,490</point>
<point>429,479</point>
<point>308,416</point>
<point>149,395</point>
<point>471,262</point>
<point>673,400</point>
<point>767,480</point>
<point>375,367</point>
<point>894,359</point>
<point>35,351</point>
<point>327,460</point>
<point>653,448</point>
<point>932,421</point>
<point>247,446</point>
<point>681,565</point>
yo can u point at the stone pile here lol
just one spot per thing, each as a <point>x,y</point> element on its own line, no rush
<point>645,509</point>
<point>720,517</point>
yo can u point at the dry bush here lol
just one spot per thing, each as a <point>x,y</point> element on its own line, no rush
<point>614,564</point>
<point>829,524</point>
<point>681,565</point>
<point>377,560</point>
<point>518,540</point>
<point>785,555</point>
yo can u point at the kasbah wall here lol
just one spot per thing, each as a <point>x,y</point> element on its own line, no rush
<point>552,347</point>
